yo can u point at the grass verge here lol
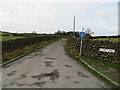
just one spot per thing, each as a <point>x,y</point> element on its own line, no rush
<point>109,69</point>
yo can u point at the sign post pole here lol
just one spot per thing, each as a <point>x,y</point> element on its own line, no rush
<point>81,43</point>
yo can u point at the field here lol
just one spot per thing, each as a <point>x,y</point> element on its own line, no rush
<point>7,36</point>
<point>3,38</point>
<point>2,33</point>
<point>111,39</point>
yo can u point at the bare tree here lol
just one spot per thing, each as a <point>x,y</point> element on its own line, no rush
<point>88,33</point>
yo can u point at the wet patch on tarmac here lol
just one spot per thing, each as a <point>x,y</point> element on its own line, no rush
<point>68,77</point>
<point>39,84</point>
<point>81,74</point>
<point>12,83</point>
<point>23,75</point>
<point>76,82</point>
<point>48,63</point>
<point>53,75</point>
<point>11,73</point>
<point>68,66</point>
<point>50,58</point>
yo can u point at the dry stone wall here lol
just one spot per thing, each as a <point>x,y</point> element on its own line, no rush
<point>12,45</point>
<point>91,48</point>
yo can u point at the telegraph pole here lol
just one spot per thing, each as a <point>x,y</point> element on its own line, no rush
<point>74,28</point>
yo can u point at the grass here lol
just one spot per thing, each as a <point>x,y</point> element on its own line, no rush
<point>3,38</point>
<point>111,39</point>
<point>109,69</point>
<point>10,35</point>
<point>0,61</point>
<point>2,33</point>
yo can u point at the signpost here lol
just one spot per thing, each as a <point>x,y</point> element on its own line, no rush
<point>82,34</point>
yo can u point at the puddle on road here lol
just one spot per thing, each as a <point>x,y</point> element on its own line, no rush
<point>81,74</point>
<point>68,66</point>
<point>53,75</point>
<point>11,73</point>
<point>76,82</point>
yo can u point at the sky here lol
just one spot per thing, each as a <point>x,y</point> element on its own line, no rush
<point>48,17</point>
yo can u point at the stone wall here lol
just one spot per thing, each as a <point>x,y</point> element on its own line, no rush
<point>91,48</point>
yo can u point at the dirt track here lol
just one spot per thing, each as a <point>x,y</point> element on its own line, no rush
<point>50,67</point>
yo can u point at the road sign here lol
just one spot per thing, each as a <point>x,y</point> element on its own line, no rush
<point>107,50</point>
<point>82,34</point>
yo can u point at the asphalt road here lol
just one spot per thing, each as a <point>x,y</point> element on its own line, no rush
<point>49,67</point>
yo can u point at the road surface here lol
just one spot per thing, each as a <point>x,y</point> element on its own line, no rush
<point>49,67</point>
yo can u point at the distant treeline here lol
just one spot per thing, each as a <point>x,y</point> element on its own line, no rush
<point>27,34</point>
<point>118,36</point>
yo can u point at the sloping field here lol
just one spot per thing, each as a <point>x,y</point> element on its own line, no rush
<point>111,39</point>
<point>3,38</point>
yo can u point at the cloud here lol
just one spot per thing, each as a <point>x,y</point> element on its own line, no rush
<point>48,17</point>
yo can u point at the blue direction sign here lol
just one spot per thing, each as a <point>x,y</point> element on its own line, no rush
<point>82,34</point>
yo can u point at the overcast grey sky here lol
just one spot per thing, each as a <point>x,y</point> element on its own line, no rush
<point>48,17</point>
